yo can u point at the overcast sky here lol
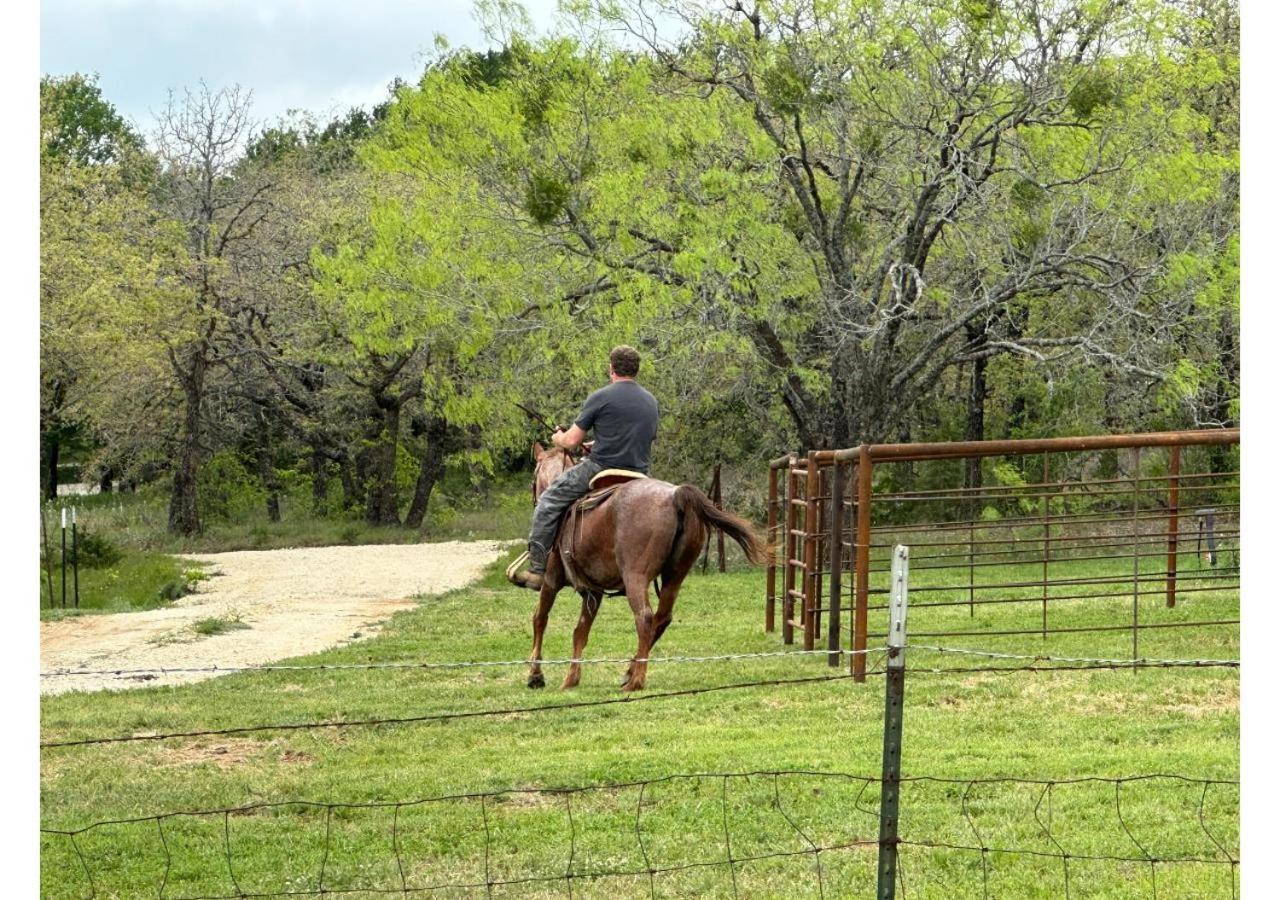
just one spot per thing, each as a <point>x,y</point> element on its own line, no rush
<point>323,56</point>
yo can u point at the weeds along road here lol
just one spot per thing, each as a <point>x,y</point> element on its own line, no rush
<point>260,606</point>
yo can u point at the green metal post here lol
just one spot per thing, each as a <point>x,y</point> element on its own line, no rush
<point>891,760</point>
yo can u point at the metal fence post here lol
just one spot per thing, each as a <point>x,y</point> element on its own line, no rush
<point>718,500</point>
<point>862,562</point>
<point>837,563</point>
<point>75,558</point>
<point>64,557</point>
<point>1171,576</point>
<point>891,759</point>
<point>771,589</point>
<point>809,587</point>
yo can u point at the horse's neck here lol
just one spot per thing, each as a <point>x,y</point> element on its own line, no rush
<point>570,462</point>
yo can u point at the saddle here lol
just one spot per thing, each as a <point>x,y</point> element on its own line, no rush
<point>604,484</point>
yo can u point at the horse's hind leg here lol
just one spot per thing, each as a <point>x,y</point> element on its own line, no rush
<point>666,602</point>
<point>671,586</point>
<point>670,589</point>
<point>638,597</point>
<point>590,606</point>
<point>546,599</point>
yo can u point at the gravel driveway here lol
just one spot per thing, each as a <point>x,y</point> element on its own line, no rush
<point>294,602</point>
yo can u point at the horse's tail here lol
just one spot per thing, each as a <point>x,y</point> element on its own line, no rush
<point>691,502</point>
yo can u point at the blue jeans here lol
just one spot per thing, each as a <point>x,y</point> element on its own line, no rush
<point>557,498</point>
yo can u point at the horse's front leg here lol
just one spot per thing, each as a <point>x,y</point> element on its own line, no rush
<point>546,599</point>
<point>590,606</point>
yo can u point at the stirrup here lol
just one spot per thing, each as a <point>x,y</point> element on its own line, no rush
<point>515,567</point>
<point>530,580</point>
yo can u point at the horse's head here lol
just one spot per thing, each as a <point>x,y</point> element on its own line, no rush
<point>547,466</point>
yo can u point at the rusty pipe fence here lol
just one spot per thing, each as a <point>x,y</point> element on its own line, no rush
<point>1002,525</point>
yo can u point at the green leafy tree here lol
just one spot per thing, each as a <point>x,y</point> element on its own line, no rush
<point>867,196</point>
<point>102,251</point>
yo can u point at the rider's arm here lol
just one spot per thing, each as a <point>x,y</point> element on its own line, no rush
<point>569,440</point>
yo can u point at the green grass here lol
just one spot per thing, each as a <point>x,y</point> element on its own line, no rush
<point>139,580</point>
<point>218,625</point>
<point>968,726</point>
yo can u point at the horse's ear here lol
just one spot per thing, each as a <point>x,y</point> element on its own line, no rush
<point>537,449</point>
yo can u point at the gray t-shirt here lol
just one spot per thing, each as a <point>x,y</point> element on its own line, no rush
<point>625,419</point>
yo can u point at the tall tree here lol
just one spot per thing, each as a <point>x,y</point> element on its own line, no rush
<point>869,195</point>
<point>219,204</point>
<point>99,242</point>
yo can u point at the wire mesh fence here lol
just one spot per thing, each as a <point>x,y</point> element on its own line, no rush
<point>727,834</point>
<point>792,832</point>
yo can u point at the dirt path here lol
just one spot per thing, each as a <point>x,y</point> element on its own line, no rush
<point>294,602</point>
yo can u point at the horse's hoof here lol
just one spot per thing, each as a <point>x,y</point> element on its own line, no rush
<point>537,681</point>
<point>568,685</point>
<point>629,687</point>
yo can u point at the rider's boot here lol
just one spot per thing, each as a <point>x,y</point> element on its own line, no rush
<point>532,577</point>
<point>531,580</point>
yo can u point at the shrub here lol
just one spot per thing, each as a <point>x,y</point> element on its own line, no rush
<point>219,625</point>
<point>227,489</point>
<point>95,551</point>
<point>182,585</point>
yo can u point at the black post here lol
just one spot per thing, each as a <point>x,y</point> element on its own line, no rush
<point>64,557</point>
<point>718,500</point>
<point>75,558</point>
<point>891,759</point>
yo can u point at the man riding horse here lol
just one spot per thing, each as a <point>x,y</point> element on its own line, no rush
<point>624,417</point>
<point>632,534</point>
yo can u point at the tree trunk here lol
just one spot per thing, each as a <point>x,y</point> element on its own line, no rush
<point>319,482</point>
<point>184,509</point>
<point>908,469</point>
<point>1228,364</point>
<point>270,483</point>
<point>382,506</point>
<point>975,421</point>
<point>49,476</point>
<point>350,477</point>
<point>265,460</point>
<point>430,473</point>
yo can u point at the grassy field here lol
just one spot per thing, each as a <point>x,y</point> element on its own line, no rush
<point>140,579</point>
<point>1060,725</point>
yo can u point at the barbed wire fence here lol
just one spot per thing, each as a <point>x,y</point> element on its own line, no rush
<point>996,829</point>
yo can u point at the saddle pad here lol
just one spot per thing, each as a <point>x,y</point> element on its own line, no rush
<point>607,477</point>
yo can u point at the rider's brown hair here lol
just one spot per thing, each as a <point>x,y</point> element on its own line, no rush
<point>625,361</point>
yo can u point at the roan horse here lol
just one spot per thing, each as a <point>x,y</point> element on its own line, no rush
<point>646,529</point>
